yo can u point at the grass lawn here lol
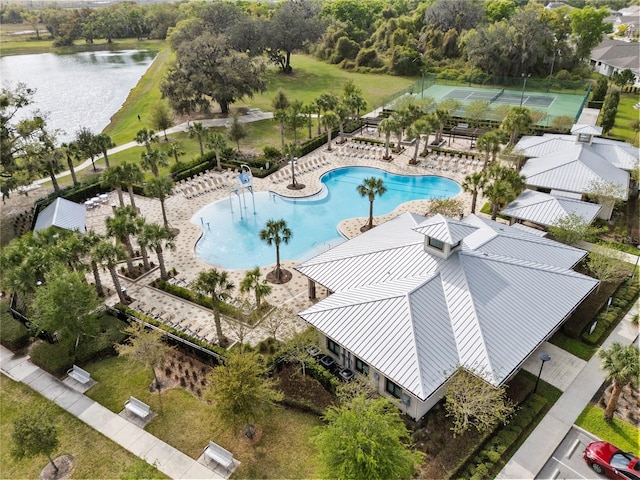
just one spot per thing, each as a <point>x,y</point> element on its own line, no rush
<point>626,114</point>
<point>622,434</point>
<point>95,455</point>
<point>575,346</point>
<point>188,423</point>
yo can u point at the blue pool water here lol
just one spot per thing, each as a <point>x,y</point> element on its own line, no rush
<point>231,229</point>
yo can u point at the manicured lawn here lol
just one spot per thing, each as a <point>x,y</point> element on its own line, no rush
<point>95,455</point>
<point>626,114</point>
<point>622,434</point>
<point>575,346</point>
<point>188,423</point>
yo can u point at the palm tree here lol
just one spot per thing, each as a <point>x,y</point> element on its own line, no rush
<point>329,120</point>
<point>48,159</point>
<point>132,174</point>
<point>387,127</point>
<point>291,151</point>
<point>274,233</point>
<point>403,117</point>
<point>217,285</point>
<point>416,130</point>
<point>153,160</point>
<point>102,144</point>
<point>198,130</point>
<point>157,237</point>
<point>217,142</point>
<point>89,242</point>
<point>160,188</point>
<point>502,186</point>
<point>342,112</point>
<point>489,143</point>
<point>236,131</point>
<point>71,153</point>
<point>473,184</point>
<point>175,149</point>
<point>252,282</point>
<point>280,105</point>
<point>122,226</point>
<point>371,187</point>
<point>622,367</point>
<point>146,137</point>
<point>108,255</point>
<point>308,110</point>
<point>293,116</point>
<point>443,117</point>
<point>432,126</point>
<point>86,145</point>
<point>517,121</point>
<point>113,177</point>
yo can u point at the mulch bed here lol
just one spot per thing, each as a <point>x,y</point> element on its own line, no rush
<point>65,464</point>
<point>303,388</point>
<point>627,406</point>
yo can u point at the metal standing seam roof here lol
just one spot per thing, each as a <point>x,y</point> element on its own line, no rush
<point>544,209</point>
<point>62,213</point>
<point>574,169</point>
<point>416,317</point>
<point>443,229</point>
<point>586,129</point>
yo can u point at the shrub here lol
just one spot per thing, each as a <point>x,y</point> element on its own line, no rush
<point>13,334</point>
<point>54,358</point>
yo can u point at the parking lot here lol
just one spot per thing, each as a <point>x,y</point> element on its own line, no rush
<point>566,461</point>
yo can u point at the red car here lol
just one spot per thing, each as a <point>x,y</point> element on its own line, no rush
<point>609,460</point>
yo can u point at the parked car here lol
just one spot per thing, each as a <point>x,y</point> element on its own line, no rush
<point>609,460</point>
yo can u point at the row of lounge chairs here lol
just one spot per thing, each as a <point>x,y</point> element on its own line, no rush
<point>300,168</point>
<point>450,164</point>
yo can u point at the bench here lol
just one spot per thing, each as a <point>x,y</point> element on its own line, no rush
<point>137,407</point>
<point>79,374</point>
<point>219,455</point>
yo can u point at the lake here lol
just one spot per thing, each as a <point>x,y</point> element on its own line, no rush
<point>77,90</point>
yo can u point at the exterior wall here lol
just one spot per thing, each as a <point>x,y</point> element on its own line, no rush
<point>416,408</point>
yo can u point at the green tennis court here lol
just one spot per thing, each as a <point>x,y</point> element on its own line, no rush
<point>553,104</point>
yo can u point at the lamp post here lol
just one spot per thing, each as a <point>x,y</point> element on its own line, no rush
<point>524,84</point>
<point>544,357</point>
<point>553,61</point>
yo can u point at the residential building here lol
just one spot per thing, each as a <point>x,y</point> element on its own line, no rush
<point>613,56</point>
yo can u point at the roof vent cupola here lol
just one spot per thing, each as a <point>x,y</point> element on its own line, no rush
<point>442,235</point>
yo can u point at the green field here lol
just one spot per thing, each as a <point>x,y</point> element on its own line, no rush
<point>95,455</point>
<point>625,116</point>
<point>621,434</point>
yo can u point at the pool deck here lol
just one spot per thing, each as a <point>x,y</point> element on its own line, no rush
<point>292,294</point>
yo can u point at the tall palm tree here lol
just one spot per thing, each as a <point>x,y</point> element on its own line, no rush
<point>102,144</point>
<point>329,120</point>
<point>217,142</point>
<point>280,105</point>
<point>432,126</point>
<point>216,284</point>
<point>89,241</point>
<point>416,130</point>
<point>236,131</point>
<point>342,112</point>
<point>199,131</point>
<point>113,177</point>
<point>158,237</point>
<point>275,233</point>
<point>153,160</point>
<point>473,184</point>
<point>86,145</point>
<point>371,187</point>
<point>443,117</point>
<point>502,186</point>
<point>308,110</point>
<point>622,366</point>
<point>146,137</point>
<point>160,188</point>
<point>108,254</point>
<point>293,116</point>
<point>517,121</point>
<point>291,151</point>
<point>71,153</point>
<point>253,282</point>
<point>387,127</point>
<point>122,226</point>
<point>175,149</point>
<point>489,143</point>
<point>132,175</point>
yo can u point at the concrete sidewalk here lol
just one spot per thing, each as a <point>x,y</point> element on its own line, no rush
<point>154,451</point>
<point>540,445</point>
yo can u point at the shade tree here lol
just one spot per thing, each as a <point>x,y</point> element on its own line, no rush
<point>34,433</point>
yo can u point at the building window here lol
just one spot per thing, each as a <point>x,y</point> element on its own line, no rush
<point>435,243</point>
<point>362,367</point>
<point>393,389</point>
<point>584,137</point>
<point>333,346</point>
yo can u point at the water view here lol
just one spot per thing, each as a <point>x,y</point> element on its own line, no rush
<point>77,90</point>
<point>231,227</point>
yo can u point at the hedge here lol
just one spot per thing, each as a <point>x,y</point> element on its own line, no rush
<point>609,316</point>
<point>194,297</point>
<point>13,334</point>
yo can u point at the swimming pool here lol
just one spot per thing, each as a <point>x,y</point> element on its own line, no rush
<point>231,229</point>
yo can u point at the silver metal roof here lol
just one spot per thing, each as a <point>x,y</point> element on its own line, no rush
<point>586,129</point>
<point>545,209</point>
<point>574,169</point>
<point>444,229</point>
<point>62,213</point>
<point>416,317</point>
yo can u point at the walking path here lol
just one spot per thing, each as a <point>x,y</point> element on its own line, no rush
<point>540,445</point>
<point>164,457</point>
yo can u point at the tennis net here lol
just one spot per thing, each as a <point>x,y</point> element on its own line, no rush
<point>496,96</point>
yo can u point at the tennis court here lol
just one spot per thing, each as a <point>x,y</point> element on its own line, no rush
<point>553,104</point>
